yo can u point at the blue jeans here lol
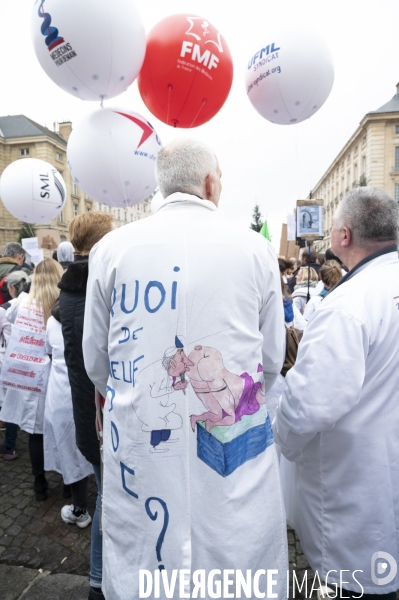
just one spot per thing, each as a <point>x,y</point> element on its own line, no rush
<point>96,551</point>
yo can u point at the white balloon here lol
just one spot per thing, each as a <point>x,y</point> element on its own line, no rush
<point>92,49</point>
<point>32,190</point>
<point>111,156</point>
<point>290,76</point>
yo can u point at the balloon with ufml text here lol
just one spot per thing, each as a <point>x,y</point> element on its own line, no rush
<point>111,156</point>
<point>289,76</point>
<point>32,190</point>
<point>187,71</point>
<point>92,49</point>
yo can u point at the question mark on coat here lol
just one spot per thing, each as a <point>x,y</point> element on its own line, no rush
<point>153,517</point>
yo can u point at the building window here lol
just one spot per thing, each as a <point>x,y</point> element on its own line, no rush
<point>397,192</point>
<point>119,215</point>
<point>24,152</point>
<point>397,158</point>
<point>397,129</point>
<point>74,189</point>
<point>87,197</point>
<point>61,217</point>
<point>63,238</point>
<point>75,210</point>
<point>125,217</point>
<point>58,156</point>
<point>87,208</point>
<point>364,141</point>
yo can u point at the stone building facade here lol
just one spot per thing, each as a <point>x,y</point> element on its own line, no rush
<point>20,137</point>
<point>370,157</point>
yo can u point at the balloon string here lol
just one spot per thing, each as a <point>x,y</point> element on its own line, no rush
<point>167,116</point>
<point>202,106</point>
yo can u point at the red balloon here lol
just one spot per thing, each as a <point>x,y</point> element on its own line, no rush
<point>187,71</point>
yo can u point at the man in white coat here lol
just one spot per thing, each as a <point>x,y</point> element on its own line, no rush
<point>339,416</point>
<point>208,506</point>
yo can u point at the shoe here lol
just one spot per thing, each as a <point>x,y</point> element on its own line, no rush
<point>8,454</point>
<point>40,488</point>
<point>67,491</point>
<point>96,594</point>
<point>79,516</point>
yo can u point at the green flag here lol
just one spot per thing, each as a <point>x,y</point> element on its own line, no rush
<point>265,231</point>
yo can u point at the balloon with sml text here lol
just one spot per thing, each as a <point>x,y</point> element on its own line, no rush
<point>111,156</point>
<point>187,71</point>
<point>289,75</point>
<point>32,190</point>
<point>92,49</point>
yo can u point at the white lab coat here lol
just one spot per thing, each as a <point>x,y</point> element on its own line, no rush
<point>25,408</point>
<point>5,331</point>
<point>226,297</point>
<point>61,453</point>
<point>339,420</point>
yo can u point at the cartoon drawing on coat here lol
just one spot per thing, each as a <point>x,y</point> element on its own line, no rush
<point>227,396</point>
<point>159,417</point>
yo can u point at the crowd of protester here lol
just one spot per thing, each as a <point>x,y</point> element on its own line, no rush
<point>50,299</point>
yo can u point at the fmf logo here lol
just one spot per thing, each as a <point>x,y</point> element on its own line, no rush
<point>200,30</point>
<point>52,38</point>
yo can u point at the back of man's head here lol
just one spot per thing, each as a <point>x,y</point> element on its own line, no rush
<point>12,249</point>
<point>183,165</point>
<point>370,214</point>
<point>309,257</point>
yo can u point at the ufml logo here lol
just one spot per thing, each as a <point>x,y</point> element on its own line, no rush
<point>379,566</point>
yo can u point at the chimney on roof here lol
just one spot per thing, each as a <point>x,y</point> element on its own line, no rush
<point>397,89</point>
<point>65,129</point>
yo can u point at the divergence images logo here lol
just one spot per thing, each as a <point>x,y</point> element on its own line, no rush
<point>53,40</point>
<point>379,566</point>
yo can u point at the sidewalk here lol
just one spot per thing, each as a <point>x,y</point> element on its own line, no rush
<point>33,535</point>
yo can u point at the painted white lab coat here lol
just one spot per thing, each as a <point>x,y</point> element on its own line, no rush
<point>339,420</point>
<point>61,453</point>
<point>25,408</point>
<point>226,296</point>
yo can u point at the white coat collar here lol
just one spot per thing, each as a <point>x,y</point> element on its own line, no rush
<point>188,198</point>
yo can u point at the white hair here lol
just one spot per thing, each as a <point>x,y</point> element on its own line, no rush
<point>370,214</point>
<point>183,165</point>
<point>65,252</point>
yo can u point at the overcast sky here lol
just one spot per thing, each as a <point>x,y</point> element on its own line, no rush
<point>272,165</point>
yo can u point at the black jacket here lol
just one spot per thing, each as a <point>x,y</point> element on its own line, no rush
<point>72,302</point>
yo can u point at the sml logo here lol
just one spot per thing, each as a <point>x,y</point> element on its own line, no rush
<point>199,30</point>
<point>59,53</point>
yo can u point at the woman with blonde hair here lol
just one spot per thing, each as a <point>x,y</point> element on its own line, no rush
<point>25,407</point>
<point>330,273</point>
<point>306,281</point>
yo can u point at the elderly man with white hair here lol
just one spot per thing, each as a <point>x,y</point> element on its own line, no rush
<point>339,417</point>
<point>202,503</point>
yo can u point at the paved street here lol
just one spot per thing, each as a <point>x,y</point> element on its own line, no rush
<point>33,535</point>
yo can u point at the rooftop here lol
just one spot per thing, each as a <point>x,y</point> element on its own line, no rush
<point>19,126</point>
<point>389,107</point>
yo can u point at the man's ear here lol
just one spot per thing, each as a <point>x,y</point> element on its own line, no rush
<point>346,237</point>
<point>209,187</point>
